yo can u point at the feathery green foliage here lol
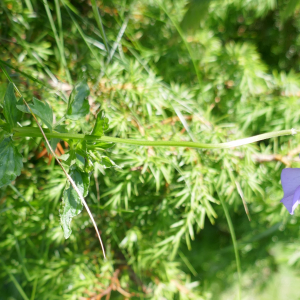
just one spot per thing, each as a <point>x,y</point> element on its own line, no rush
<point>159,213</point>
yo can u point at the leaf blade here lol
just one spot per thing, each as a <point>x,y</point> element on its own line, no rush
<point>101,124</point>
<point>11,114</point>
<point>72,202</point>
<point>11,162</point>
<point>78,105</point>
<point>41,109</point>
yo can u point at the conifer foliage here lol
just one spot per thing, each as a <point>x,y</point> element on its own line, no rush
<point>174,221</point>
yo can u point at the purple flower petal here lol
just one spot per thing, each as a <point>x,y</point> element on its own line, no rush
<point>292,201</point>
<point>296,199</point>
<point>288,203</point>
<point>290,180</point>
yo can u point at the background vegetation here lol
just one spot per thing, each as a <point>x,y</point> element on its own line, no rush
<point>207,71</point>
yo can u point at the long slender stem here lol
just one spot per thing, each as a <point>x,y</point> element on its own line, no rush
<point>235,246</point>
<point>15,281</point>
<point>99,23</point>
<point>82,34</point>
<point>58,41</point>
<point>34,132</point>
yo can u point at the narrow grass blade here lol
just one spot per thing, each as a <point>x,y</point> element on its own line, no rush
<point>34,288</point>
<point>20,195</point>
<point>235,246</point>
<point>187,263</point>
<point>29,5</point>
<point>113,49</point>
<point>240,191</point>
<point>238,186</point>
<point>99,23</point>
<point>83,35</point>
<point>59,21</point>
<point>15,282</point>
<point>59,44</point>
<point>28,277</point>
<point>177,26</point>
<point>23,73</point>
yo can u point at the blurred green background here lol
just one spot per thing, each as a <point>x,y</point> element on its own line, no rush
<point>206,71</point>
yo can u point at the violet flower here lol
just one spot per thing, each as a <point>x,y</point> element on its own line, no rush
<point>290,180</point>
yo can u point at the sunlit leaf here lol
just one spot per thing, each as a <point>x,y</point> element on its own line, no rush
<point>10,163</point>
<point>41,109</point>
<point>10,111</point>
<point>101,124</point>
<point>78,105</point>
<point>72,205</point>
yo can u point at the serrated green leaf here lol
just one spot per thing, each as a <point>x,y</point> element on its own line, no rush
<point>78,105</point>
<point>72,158</point>
<point>41,109</point>
<point>10,163</point>
<point>64,157</point>
<point>71,201</point>
<point>10,111</point>
<point>105,161</point>
<point>101,124</point>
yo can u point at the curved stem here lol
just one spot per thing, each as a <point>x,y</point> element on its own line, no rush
<point>34,132</point>
<point>235,246</point>
<point>235,143</point>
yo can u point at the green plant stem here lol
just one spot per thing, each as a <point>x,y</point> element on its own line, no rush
<point>34,132</point>
<point>235,246</point>
<point>29,6</point>
<point>58,41</point>
<point>99,23</point>
<point>14,280</point>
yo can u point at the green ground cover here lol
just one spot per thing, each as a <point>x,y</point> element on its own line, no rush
<point>191,71</point>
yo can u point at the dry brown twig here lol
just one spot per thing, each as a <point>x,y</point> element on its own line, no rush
<point>286,160</point>
<point>113,286</point>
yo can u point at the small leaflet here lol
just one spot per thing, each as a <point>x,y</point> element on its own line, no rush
<point>11,113</point>
<point>42,110</point>
<point>101,124</point>
<point>78,105</point>
<point>72,205</point>
<point>11,162</point>
<point>103,160</point>
<point>72,158</point>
